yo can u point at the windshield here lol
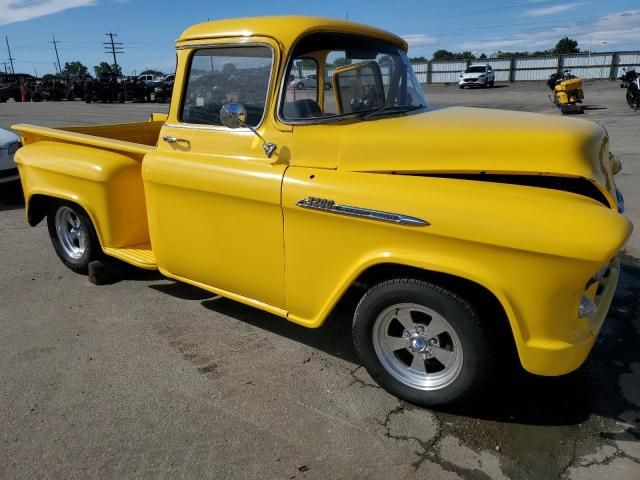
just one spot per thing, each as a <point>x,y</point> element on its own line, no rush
<point>476,70</point>
<point>353,75</point>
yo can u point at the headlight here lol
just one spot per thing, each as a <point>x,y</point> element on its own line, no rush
<point>587,308</point>
<point>616,164</point>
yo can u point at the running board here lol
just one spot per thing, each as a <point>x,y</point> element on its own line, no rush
<point>139,255</point>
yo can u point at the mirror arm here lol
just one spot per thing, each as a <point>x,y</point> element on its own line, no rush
<point>268,147</point>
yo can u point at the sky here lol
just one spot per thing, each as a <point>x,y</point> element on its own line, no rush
<point>148,29</point>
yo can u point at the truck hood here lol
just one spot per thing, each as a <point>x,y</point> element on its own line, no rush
<point>466,141</point>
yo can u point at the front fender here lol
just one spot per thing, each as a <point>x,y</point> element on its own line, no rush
<point>533,249</point>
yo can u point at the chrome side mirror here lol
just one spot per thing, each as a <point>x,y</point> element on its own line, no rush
<point>234,115</point>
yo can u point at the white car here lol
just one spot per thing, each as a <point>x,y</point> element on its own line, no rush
<point>9,144</point>
<point>310,81</point>
<point>480,75</point>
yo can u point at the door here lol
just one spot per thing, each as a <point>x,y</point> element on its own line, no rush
<point>213,196</point>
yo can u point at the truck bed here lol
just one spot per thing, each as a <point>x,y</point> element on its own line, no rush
<point>137,138</point>
<point>99,168</point>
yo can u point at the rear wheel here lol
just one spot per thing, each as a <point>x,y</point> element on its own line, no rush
<point>300,86</point>
<point>73,236</point>
<point>422,343</point>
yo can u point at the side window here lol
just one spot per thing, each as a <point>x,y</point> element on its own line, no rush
<point>301,96</point>
<point>230,74</point>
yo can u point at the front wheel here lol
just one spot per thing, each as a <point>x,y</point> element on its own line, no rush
<point>73,236</point>
<point>300,86</point>
<point>422,343</point>
<point>631,99</point>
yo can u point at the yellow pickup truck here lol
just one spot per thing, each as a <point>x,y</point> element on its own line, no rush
<point>472,236</point>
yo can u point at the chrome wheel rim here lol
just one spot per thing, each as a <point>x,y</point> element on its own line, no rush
<point>71,233</point>
<point>417,346</point>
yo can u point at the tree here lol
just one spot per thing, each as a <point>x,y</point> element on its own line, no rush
<point>443,54</point>
<point>307,63</point>
<point>418,59</point>
<point>339,62</point>
<point>228,68</point>
<point>72,69</point>
<point>104,70</point>
<point>447,55</point>
<point>566,45</point>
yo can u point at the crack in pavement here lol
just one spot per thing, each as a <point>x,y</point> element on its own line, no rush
<point>358,381</point>
<point>428,449</point>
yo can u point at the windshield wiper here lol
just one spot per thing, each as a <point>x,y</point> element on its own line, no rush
<point>392,107</point>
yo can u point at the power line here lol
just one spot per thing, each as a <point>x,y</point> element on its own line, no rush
<point>113,48</point>
<point>55,47</point>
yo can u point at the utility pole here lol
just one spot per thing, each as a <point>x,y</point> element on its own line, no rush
<point>55,47</point>
<point>11,59</point>
<point>113,47</point>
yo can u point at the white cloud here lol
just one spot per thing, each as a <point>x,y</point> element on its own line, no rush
<point>12,11</point>
<point>622,28</point>
<point>542,12</point>
<point>419,40</point>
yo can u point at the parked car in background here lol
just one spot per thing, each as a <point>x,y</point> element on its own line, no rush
<point>149,78</point>
<point>164,88</point>
<point>479,75</point>
<point>10,86</point>
<point>9,144</point>
<point>308,81</point>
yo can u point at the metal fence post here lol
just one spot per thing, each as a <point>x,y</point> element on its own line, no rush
<point>615,60</point>
<point>429,72</point>
<point>560,68</point>
<point>512,69</point>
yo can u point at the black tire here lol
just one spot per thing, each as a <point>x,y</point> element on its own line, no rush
<point>91,250</point>
<point>478,358</point>
<point>460,87</point>
<point>491,83</point>
<point>300,86</point>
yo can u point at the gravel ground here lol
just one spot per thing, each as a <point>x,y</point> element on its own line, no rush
<point>149,378</point>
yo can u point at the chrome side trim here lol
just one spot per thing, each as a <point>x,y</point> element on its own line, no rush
<point>325,205</point>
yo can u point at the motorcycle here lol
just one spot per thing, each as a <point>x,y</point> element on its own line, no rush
<point>567,92</point>
<point>631,81</point>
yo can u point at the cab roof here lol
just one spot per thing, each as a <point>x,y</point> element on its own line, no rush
<point>285,29</point>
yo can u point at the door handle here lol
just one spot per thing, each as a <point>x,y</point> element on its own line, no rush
<point>169,139</point>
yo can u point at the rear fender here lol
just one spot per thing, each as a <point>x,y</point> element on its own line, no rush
<point>107,184</point>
